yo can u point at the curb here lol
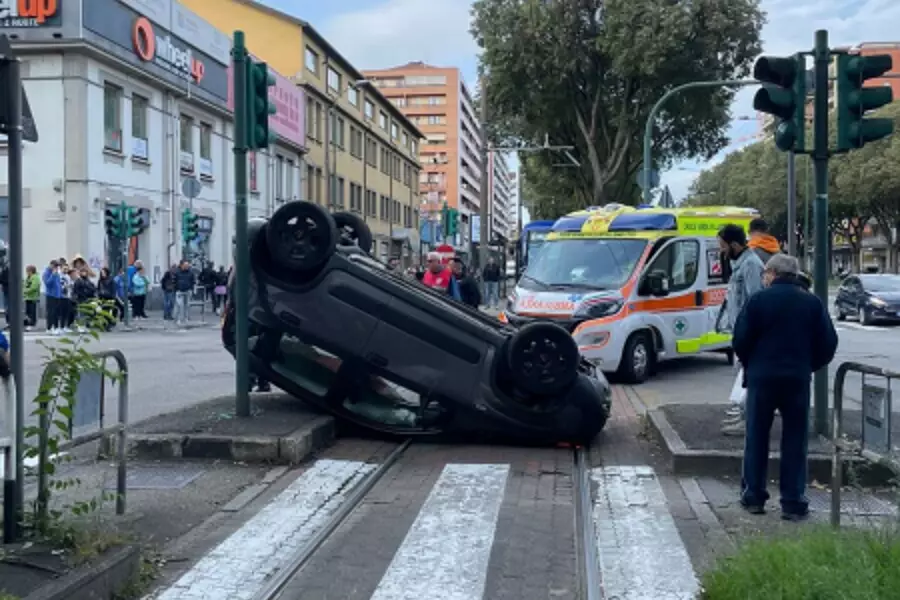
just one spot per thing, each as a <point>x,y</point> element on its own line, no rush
<point>720,463</point>
<point>292,448</point>
<point>101,580</point>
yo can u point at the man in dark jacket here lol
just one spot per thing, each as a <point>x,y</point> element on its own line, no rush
<point>469,293</point>
<point>782,336</point>
<point>185,280</point>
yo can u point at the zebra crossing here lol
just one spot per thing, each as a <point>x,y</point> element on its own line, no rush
<point>450,550</point>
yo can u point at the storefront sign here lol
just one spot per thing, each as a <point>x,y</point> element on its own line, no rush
<point>28,13</point>
<point>161,49</point>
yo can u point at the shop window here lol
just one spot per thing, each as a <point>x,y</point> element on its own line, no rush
<point>112,117</point>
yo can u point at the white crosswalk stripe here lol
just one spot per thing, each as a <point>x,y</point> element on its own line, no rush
<point>446,553</point>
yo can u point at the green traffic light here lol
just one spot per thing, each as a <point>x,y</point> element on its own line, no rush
<point>774,101</point>
<point>854,100</point>
<point>785,136</point>
<point>783,95</point>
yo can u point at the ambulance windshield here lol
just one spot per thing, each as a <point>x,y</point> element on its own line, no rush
<point>602,264</point>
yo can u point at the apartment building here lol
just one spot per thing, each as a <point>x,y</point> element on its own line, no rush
<point>501,211</point>
<point>437,101</point>
<point>362,150</point>
<point>131,100</point>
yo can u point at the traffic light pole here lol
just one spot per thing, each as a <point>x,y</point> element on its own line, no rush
<point>484,233</point>
<point>822,58</point>
<point>792,204</point>
<point>648,128</point>
<point>241,250</point>
<point>12,530</point>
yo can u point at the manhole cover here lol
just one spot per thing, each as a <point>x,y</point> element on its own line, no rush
<point>852,503</point>
<point>158,478</point>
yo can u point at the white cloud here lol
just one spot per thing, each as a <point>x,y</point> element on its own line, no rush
<point>396,32</point>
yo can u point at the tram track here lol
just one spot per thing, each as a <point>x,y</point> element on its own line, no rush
<point>588,584</point>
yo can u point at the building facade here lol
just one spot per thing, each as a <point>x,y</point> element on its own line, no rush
<point>130,99</point>
<point>371,164</point>
<point>438,102</point>
<point>501,211</point>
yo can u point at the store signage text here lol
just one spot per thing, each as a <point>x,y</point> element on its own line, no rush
<point>26,13</point>
<point>161,49</point>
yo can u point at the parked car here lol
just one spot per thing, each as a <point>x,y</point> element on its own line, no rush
<point>870,297</point>
<point>334,327</point>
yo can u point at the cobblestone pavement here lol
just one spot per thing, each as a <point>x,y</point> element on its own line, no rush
<point>463,523</point>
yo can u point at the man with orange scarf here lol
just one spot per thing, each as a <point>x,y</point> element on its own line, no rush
<point>765,246</point>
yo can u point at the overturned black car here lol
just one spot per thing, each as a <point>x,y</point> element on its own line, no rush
<point>334,327</point>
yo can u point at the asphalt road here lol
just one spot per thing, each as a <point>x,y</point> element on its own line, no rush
<point>168,370</point>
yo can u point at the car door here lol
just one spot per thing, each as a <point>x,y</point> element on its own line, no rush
<point>844,299</point>
<point>681,314</point>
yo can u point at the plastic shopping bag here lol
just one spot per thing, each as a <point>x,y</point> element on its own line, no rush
<point>738,391</point>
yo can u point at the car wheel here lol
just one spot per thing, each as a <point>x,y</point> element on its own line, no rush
<point>543,358</point>
<point>865,317</point>
<point>353,231</point>
<point>637,358</point>
<point>839,314</point>
<point>301,237</point>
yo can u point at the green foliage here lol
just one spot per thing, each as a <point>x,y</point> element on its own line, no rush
<point>64,363</point>
<point>862,184</point>
<point>587,72</point>
<point>813,564</point>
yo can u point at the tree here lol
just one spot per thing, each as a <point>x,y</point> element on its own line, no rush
<point>586,73</point>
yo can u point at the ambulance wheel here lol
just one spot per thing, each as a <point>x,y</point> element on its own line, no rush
<point>353,231</point>
<point>301,237</point>
<point>542,358</point>
<point>729,356</point>
<point>638,358</point>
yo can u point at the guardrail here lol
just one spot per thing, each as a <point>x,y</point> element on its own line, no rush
<point>89,412</point>
<point>875,443</point>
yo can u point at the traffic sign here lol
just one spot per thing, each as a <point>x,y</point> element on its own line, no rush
<point>654,179</point>
<point>191,187</point>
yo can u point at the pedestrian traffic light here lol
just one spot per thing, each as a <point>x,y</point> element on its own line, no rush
<point>115,219</point>
<point>854,100</point>
<point>190,228</point>
<point>259,80</point>
<point>783,95</point>
<point>134,223</point>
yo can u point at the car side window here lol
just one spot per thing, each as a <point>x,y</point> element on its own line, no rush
<point>680,261</point>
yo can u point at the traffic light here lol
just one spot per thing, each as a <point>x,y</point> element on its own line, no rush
<point>853,100</point>
<point>190,228</point>
<point>115,219</point>
<point>452,222</point>
<point>783,95</point>
<point>134,222</point>
<point>259,80</point>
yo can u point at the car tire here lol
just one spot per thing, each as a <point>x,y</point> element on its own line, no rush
<point>353,231</point>
<point>839,314</point>
<point>638,358</point>
<point>865,316</point>
<point>301,237</point>
<point>542,359</point>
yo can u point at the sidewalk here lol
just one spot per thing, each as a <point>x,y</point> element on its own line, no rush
<point>154,322</point>
<point>185,469</point>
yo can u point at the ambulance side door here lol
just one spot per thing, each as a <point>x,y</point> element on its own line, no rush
<point>680,313</point>
<point>716,287</point>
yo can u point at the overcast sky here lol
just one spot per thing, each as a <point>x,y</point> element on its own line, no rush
<point>386,33</point>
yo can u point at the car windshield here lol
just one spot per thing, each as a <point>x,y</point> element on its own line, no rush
<point>603,264</point>
<point>881,283</point>
<point>373,398</point>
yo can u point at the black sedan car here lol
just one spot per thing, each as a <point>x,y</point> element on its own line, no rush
<point>869,297</point>
<point>335,328</point>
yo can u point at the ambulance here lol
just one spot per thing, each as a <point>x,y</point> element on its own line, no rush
<point>634,288</point>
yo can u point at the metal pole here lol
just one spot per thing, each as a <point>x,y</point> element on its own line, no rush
<point>123,209</point>
<point>820,157</point>
<point>329,199</point>
<point>806,231</point>
<point>485,196</point>
<point>792,204</point>
<point>648,127</point>
<point>242,256</point>
<point>14,309</point>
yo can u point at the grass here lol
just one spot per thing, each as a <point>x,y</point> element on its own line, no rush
<point>812,564</point>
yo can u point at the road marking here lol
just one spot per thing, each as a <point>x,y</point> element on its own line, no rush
<point>642,556</point>
<point>238,568</point>
<point>447,550</point>
<point>846,325</point>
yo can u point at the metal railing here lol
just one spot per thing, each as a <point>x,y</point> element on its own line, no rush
<point>875,444</point>
<point>91,383</point>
